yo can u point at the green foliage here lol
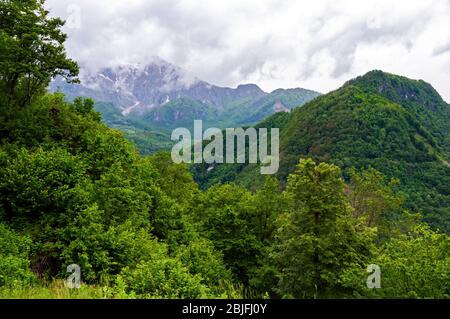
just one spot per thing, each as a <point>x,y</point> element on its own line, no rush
<point>161,276</point>
<point>247,175</point>
<point>418,97</point>
<point>14,262</point>
<point>31,50</point>
<point>363,126</point>
<point>414,265</point>
<point>353,128</point>
<point>39,184</point>
<point>58,289</point>
<point>239,224</point>
<point>102,251</point>
<point>200,257</point>
<point>379,203</point>
<point>223,213</point>
<point>390,123</point>
<point>317,240</point>
<point>85,108</point>
<point>75,191</point>
<point>50,122</point>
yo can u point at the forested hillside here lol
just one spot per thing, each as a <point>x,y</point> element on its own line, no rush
<point>74,191</point>
<point>393,124</point>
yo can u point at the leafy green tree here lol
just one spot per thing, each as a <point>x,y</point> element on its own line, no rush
<point>85,108</point>
<point>240,224</point>
<point>174,199</point>
<point>39,185</point>
<point>317,240</point>
<point>31,50</point>
<point>413,265</point>
<point>224,213</point>
<point>103,250</point>
<point>75,191</point>
<point>371,197</point>
<point>266,203</point>
<point>378,201</point>
<point>121,196</point>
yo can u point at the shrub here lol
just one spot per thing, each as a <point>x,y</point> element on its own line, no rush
<point>14,262</point>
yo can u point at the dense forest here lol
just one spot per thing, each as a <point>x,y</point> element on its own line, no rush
<point>396,125</point>
<point>74,191</point>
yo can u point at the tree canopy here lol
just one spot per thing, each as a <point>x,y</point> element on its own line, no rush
<point>31,50</point>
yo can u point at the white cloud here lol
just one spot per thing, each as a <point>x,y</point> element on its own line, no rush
<point>317,45</point>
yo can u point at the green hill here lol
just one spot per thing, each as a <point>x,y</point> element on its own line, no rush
<point>417,96</point>
<point>393,124</point>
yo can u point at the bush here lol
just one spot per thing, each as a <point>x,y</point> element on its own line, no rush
<point>163,277</point>
<point>415,265</point>
<point>200,258</point>
<point>14,263</point>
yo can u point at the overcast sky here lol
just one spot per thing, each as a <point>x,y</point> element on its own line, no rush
<point>312,44</point>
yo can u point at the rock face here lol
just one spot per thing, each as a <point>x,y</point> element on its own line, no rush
<point>137,88</point>
<point>143,91</point>
<point>279,107</point>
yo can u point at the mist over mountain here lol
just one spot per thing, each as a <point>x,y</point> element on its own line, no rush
<point>162,95</point>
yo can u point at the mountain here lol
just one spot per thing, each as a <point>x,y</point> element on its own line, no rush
<point>280,100</point>
<point>397,125</point>
<point>161,95</point>
<point>418,97</point>
<point>137,88</point>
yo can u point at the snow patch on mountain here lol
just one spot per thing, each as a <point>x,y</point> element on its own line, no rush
<point>127,110</point>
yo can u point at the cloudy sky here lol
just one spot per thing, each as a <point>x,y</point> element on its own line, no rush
<point>312,44</point>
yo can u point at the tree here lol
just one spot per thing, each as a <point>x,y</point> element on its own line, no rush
<point>377,201</point>
<point>316,239</point>
<point>39,185</point>
<point>31,50</point>
<point>371,197</point>
<point>225,214</point>
<point>267,202</point>
<point>413,265</point>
